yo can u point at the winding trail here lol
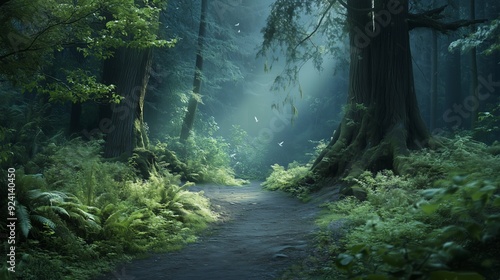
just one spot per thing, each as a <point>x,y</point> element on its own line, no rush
<point>260,234</point>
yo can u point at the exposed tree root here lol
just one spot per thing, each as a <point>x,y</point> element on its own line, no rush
<point>359,146</point>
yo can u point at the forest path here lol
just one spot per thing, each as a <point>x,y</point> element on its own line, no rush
<point>260,234</point>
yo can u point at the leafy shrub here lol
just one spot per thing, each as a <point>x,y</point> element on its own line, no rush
<point>288,179</point>
<point>487,128</point>
<point>443,238</point>
<point>158,214</point>
<point>207,160</point>
<point>78,168</point>
<point>406,230</point>
<point>82,208</point>
<point>460,154</point>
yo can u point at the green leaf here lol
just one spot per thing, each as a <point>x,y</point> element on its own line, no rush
<point>357,248</point>
<point>429,208</point>
<point>455,231</point>
<point>496,201</point>
<point>430,193</point>
<point>23,217</point>
<point>475,230</point>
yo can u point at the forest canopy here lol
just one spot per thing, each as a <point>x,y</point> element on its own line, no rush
<point>37,34</point>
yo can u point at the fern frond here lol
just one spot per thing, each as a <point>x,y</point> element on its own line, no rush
<point>54,209</point>
<point>43,220</point>
<point>23,218</point>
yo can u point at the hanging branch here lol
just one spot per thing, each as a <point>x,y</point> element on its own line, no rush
<point>318,25</point>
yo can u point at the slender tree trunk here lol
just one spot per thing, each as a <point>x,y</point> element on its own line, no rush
<point>473,71</point>
<point>453,77</point>
<point>382,121</point>
<point>434,77</point>
<point>129,71</point>
<point>187,124</point>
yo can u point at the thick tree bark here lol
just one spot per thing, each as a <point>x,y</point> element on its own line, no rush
<point>128,70</point>
<point>187,124</point>
<point>382,120</point>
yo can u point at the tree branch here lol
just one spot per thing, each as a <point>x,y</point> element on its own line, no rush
<point>317,26</point>
<point>31,47</point>
<point>443,27</point>
<point>431,19</point>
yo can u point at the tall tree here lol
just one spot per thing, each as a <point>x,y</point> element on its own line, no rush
<point>474,83</point>
<point>453,76</point>
<point>121,33</point>
<point>434,77</point>
<point>129,71</point>
<point>187,124</point>
<point>382,119</point>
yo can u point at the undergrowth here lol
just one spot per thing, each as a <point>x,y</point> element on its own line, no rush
<point>207,159</point>
<point>290,179</point>
<point>80,213</point>
<point>287,179</point>
<point>440,221</point>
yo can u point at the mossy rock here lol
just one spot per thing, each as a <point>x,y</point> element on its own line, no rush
<point>144,161</point>
<point>176,166</point>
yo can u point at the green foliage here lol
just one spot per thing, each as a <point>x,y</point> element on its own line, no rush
<point>407,230</point>
<point>81,209</point>
<point>461,155</point>
<point>43,213</point>
<point>92,180</point>
<point>288,179</point>
<point>207,159</point>
<point>487,128</point>
<point>27,127</point>
<point>486,35</point>
<point>42,30</point>
<point>80,86</point>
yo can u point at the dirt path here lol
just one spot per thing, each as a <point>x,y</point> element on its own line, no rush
<point>260,235</point>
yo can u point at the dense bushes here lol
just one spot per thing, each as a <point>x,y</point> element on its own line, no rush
<point>207,159</point>
<point>288,179</point>
<point>81,213</point>
<point>439,221</point>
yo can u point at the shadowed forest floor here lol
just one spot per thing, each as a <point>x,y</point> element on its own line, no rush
<point>259,235</point>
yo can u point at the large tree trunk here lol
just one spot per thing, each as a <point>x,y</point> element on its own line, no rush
<point>382,120</point>
<point>187,124</point>
<point>128,70</point>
